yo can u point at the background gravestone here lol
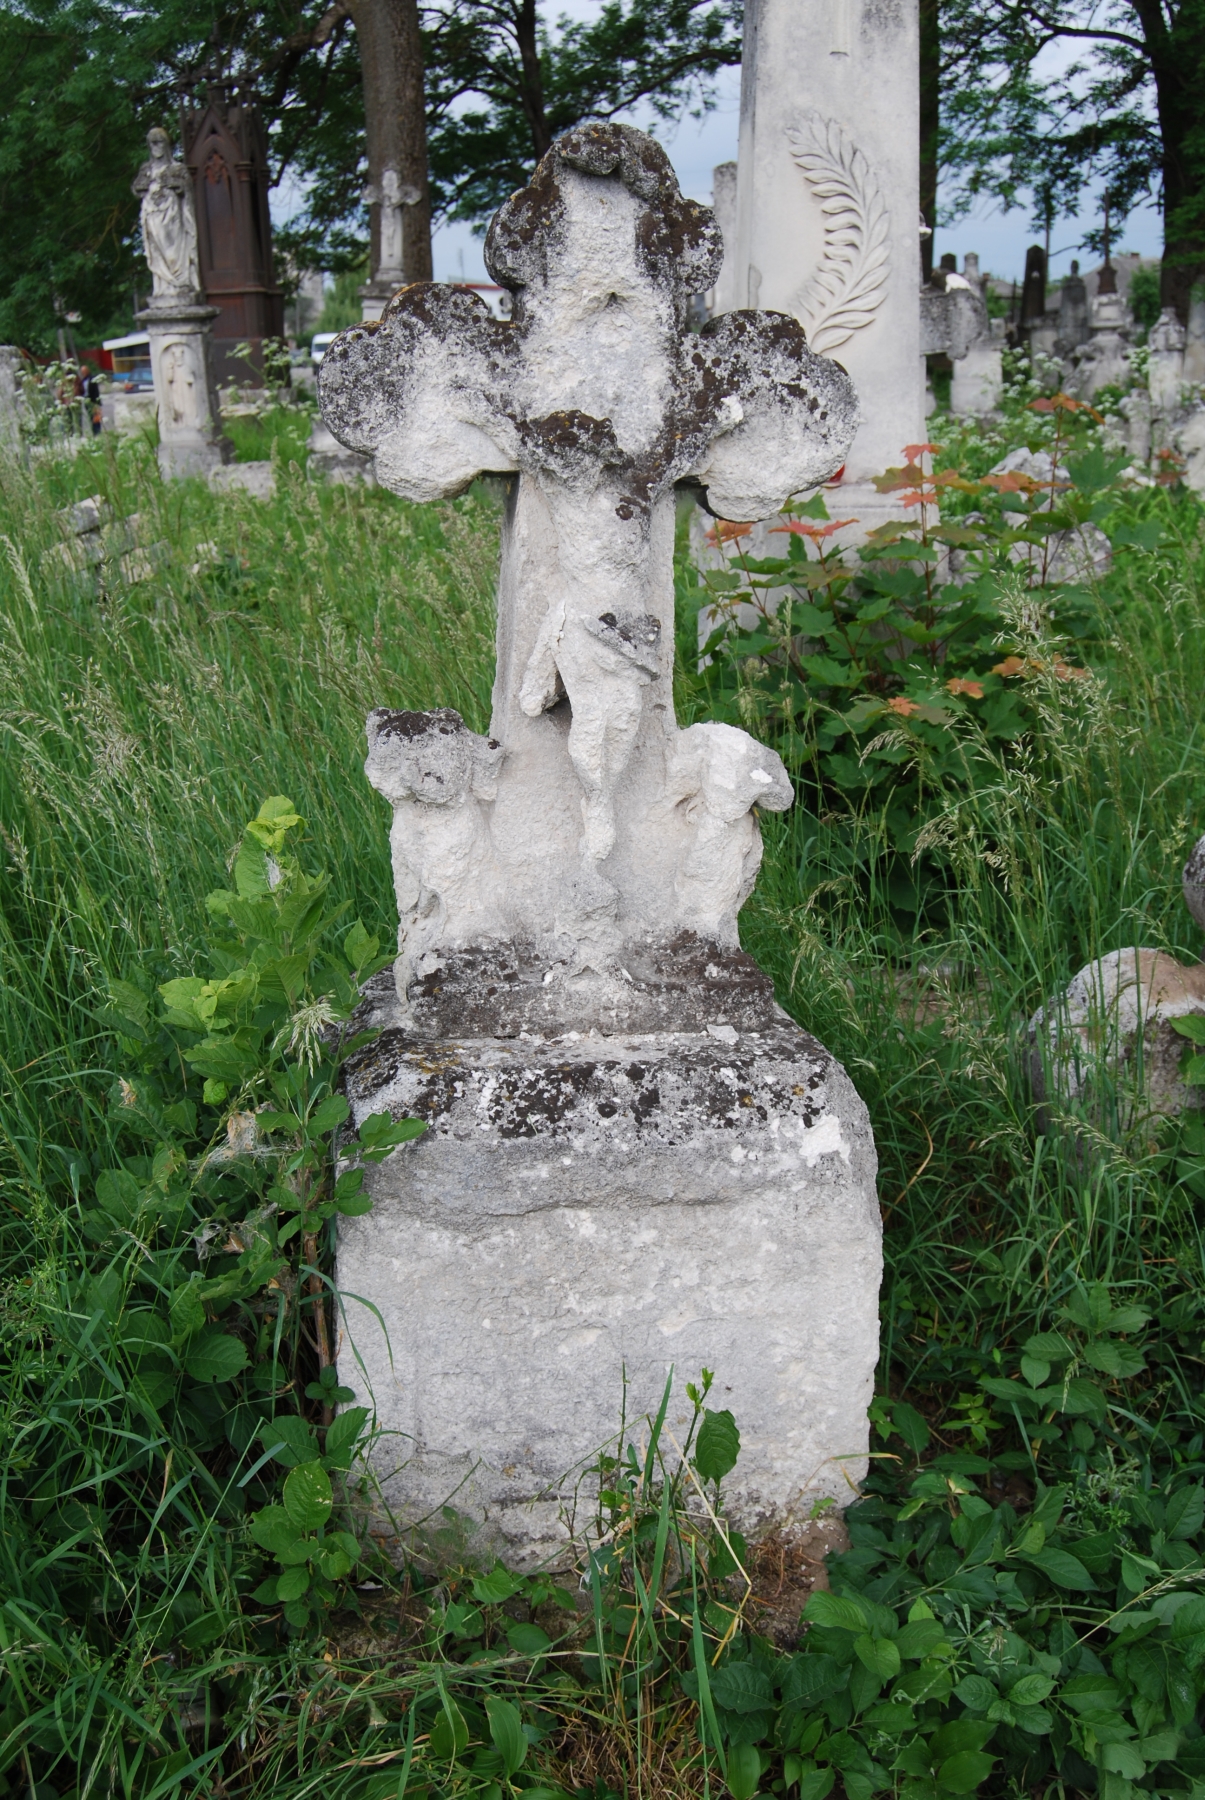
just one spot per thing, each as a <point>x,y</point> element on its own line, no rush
<point>225,152</point>
<point>828,209</point>
<point>634,1158</point>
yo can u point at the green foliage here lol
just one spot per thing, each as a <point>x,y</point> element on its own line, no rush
<point>1145,298</point>
<point>138,734</point>
<point>902,677</point>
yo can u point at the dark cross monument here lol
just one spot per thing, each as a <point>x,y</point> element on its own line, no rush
<point>596,1057</point>
<point>226,155</point>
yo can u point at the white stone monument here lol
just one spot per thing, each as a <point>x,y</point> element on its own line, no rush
<point>11,398</point>
<point>828,210</point>
<point>633,1157</point>
<point>177,321</point>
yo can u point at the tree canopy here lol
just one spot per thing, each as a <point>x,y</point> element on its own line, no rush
<point>1042,99</point>
<point>87,78</point>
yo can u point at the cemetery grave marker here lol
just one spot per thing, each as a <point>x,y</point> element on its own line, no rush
<point>633,1157</point>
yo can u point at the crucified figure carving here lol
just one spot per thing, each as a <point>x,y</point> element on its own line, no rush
<point>601,400</point>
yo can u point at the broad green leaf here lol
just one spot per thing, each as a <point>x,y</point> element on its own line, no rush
<point>215,1356</point>
<point>1090,1308</point>
<point>1065,1570</point>
<point>1090,1693</point>
<point>359,948</point>
<point>837,1611</point>
<point>333,1111</point>
<point>744,1771</point>
<point>1191,1027</point>
<point>878,1654</point>
<point>976,1693</point>
<point>292,1584</point>
<point>527,1640</point>
<point>335,1564</point>
<point>506,1730</point>
<point>1031,1690</point>
<point>380,1134</point>
<point>718,1446</point>
<point>1036,1373</point>
<point>911,1426</point>
<point>1034,1719</point>
<point>1123,1759</point>
<point>964,1772</point>
<point>1049,1346</point>
<point>741,1687</point>
<point>273,1529</point>
<point>449,1734</point>
<point>1114,1358</point>
<point>307,1495</point>
<point>497,1586</point>
<point>808,1678</point>
<point>290,1439</point>
<point>816,1784</point>
<point>1184,1514</point>
<point>919,1637</point>
<point>342,1434</point>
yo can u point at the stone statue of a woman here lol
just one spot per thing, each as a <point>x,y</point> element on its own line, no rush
<point>169,222</point>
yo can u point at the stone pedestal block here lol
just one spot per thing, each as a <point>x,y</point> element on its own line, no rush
<point>587,1208</point>
<point>190,430</point>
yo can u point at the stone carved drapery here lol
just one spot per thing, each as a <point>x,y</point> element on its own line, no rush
<point>169,223</point>
<point>589,821</point>
<point>848,287</point>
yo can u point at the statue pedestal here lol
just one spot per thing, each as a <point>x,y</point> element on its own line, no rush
<point>588,1207</point>
<point>190,422</point>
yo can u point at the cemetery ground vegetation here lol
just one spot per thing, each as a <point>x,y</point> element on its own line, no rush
<point>996,781</point>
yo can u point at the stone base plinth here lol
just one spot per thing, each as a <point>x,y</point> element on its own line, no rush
<point>186,401</point>
<point>589,1208</point>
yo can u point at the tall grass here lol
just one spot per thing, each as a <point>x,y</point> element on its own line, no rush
<point>141,726</point>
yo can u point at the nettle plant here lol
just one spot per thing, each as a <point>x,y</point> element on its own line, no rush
<point>229,1184</point>
<point>884,672</point>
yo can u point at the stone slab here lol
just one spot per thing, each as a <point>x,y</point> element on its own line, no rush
<point>591,1207</point>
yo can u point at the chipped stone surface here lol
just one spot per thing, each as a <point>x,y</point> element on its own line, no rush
<point>1114,1019</point>
<point>605,821</point>
<point>590,1205</point>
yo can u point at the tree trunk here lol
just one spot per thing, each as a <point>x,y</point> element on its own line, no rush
<point>531,76</point>
<point>1177,57</point>
<point>391,58</point>
<point>930,80</point>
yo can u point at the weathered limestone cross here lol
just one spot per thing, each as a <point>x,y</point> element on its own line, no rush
<point>587,822</point>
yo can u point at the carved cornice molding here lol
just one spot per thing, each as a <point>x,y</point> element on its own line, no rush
<point>847,289</point>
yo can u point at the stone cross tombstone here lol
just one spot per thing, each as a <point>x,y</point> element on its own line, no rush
<point>633,1157</point>
<point>177,321</point>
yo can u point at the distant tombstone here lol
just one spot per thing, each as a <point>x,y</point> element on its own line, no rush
<point>828,208</point>
<point>633,1158</point>
<point>1194,348</point>
<point>1074,326</point>
<point>1165,376</point>
<point>177,322</point>
<point>227,159</point>
<point>10,398</point>
<point>1033,291</point>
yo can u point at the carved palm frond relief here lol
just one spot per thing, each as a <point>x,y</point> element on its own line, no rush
<point>847,289</point>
